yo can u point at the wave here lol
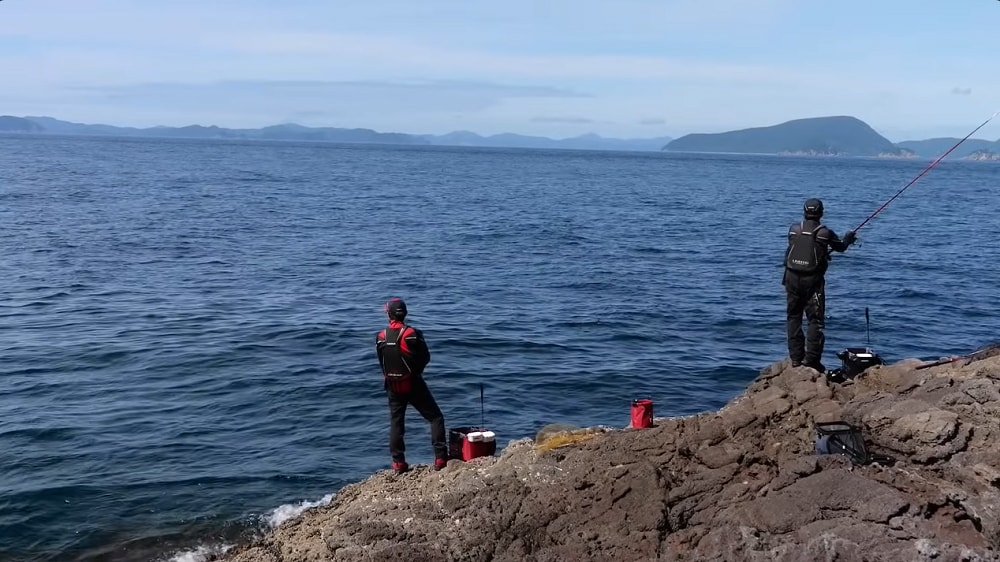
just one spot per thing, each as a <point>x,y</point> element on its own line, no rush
<point>202,348</point>
<point>272,519</point>
<point>200,554</point>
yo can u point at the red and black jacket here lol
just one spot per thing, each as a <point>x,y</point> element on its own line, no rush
<point>403,355</point>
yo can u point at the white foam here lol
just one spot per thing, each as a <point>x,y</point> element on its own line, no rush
<point>285,512</point>
<point>276,517</point>
<point>199,554</point>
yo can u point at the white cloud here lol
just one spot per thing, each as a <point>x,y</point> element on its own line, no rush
<point>563,120</point>
<point>185,23</point>
<point>347,52</point>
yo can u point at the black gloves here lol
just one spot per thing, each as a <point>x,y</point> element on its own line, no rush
<point>850,238</point>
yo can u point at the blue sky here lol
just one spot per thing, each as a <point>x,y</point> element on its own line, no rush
<point>633,68</point>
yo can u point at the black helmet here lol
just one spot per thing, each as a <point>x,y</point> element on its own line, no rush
<point>395,308</point>
<point>813,208</point>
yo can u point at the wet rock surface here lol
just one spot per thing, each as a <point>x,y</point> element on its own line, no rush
<point>740,484</point>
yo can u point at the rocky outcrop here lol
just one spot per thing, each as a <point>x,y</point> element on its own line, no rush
<point>740,484</point>
<point>984,156</point>
<point>899,153</point>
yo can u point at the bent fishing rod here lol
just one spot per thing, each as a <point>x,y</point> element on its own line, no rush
<point>924,171</point>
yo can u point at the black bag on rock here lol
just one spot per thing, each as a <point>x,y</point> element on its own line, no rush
<point>854,361</point>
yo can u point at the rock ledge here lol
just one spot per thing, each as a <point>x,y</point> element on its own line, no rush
<point>740,484</point>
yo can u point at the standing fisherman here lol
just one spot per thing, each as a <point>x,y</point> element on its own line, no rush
<point>806,261</point>
<point>403,355</point>
<point>805,264</point>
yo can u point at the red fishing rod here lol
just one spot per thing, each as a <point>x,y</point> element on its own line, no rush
<point>925,170</point>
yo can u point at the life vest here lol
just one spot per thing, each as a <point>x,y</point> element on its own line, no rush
<point>395,367</point>
<point>804,254</point>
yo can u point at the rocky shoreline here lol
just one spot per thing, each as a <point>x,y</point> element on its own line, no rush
<point>984,156</point>
<point>740,484</point>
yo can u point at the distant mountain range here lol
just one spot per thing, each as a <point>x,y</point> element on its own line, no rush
<point>48,125</point>
<point>18,125</point>
<point>275,132</point>
<point>938,146</point>
<point>837,135</point>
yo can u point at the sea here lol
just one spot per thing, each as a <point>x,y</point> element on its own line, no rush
<point>187,327</point>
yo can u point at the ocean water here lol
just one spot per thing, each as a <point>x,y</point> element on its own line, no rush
<point>186,327</point>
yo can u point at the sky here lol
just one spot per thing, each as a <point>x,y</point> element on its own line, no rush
<point>559,68</point>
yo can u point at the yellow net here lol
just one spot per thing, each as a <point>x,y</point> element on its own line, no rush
<point>554,436</point>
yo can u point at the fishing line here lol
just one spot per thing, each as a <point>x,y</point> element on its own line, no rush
<point>925,170</point>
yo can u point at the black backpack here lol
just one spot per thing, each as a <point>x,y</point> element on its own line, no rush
<point>803,254</point>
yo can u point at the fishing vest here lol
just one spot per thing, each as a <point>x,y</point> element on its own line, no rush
<point>395,367</point>
<point>804,254</point>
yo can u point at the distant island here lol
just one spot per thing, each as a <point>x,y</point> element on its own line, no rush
<point>984,155</point>
<point>828,136</point>
<point>294,132</point>
<point>938,146</point>
<point>10,124</point>
<point>815,136</point>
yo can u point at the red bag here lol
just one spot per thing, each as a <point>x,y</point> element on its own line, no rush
<point>642,413</point>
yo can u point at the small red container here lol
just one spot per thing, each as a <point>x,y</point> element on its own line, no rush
<point>467,443</point>
<point>642,413</point>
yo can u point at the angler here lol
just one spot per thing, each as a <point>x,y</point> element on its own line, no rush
<point>806,261</point>
<point>403,354</point>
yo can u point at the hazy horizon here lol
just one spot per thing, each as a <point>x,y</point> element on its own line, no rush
<point>484,135</point>
<point>630,69</point>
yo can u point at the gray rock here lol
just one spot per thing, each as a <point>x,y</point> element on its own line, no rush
<point>740,485</point>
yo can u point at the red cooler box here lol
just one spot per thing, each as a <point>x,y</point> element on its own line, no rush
<point>467,443</point>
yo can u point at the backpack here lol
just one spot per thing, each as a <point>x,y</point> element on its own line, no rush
<point>803,254</point>
<point>395,366</point>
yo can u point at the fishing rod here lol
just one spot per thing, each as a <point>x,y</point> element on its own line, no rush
<point>868,327</point>
<point>980,353</point>
<point>925,170</point>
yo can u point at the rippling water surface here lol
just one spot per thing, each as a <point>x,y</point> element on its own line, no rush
<point>187,327</point>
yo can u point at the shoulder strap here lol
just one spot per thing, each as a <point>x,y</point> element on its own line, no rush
<point>819,228</point>
<point>815,231</point>
<point>399,337</point>
<point>402,333</point>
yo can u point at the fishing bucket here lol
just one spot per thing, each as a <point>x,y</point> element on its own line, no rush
<point>642,413</point>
